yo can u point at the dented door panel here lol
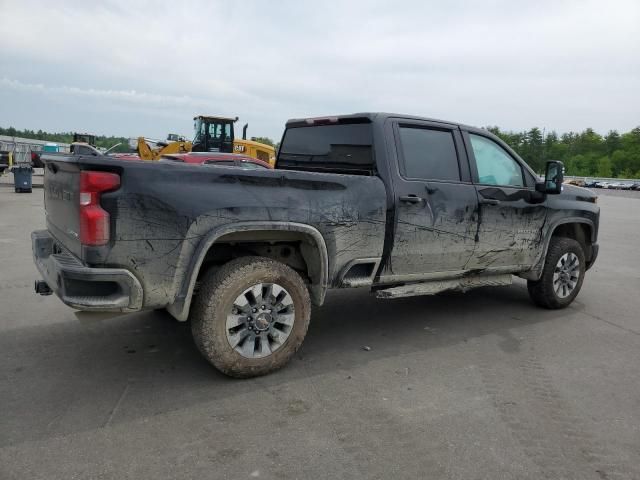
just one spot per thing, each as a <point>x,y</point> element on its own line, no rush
<point>509,228</point>
<point>436,234</point>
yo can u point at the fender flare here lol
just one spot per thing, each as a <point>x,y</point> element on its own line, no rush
<point>536,271</point>
<point>182,303</point>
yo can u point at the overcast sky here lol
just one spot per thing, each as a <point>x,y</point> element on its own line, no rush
<point>146,67</point>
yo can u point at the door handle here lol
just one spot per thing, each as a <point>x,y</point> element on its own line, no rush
<point>411,198</point>
<point>489,201</point>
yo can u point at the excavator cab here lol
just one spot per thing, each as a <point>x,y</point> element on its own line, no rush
<point>213,134</point>
<point>84,138</point>
<point>83,144</point>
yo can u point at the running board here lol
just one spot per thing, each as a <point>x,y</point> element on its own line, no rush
<point>436,286</point>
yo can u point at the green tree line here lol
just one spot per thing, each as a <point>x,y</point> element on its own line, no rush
<point>67,137</point>
<point>584,154</point>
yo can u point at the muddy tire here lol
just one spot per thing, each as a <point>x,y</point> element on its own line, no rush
<point>250,316</point>
<point>562,276</point>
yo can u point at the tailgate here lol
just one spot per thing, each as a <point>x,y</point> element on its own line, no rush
<point>62,201</point>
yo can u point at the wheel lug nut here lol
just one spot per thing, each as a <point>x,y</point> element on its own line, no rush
<point>254,310</point>
<point>263,307</point>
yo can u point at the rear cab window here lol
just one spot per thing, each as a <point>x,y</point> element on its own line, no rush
<point>344,146</point>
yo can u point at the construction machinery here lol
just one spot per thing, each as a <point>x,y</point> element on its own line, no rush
<point>87,138</point>
<point>216,134</point>
<point>212,134</point>
<point>85,144</point>
<point>146,152</point>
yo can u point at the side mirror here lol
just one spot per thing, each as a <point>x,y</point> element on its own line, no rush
<point>553,178</point>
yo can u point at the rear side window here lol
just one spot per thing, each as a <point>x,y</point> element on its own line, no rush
<point>429,154</point>
<point>342,148</point>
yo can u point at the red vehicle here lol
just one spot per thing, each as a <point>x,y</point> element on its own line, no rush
<point>220,159</point>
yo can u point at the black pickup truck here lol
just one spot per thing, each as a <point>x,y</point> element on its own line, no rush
<point>397,204</point>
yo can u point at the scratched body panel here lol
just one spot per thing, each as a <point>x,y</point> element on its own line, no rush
<point>437,234</point>
<point>162,212</point>
<point>510,233</point>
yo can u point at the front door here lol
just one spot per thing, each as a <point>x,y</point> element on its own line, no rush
<point>511,212</point>
<point>435,202</point>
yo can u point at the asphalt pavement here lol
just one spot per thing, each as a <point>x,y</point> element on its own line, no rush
<point>482,385</point>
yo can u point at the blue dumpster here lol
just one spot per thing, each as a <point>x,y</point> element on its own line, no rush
<point>22,178</point>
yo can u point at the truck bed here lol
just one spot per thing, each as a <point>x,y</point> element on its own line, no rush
<point>163,212</point>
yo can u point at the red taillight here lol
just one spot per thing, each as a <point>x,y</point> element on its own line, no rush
<point>94,221</point>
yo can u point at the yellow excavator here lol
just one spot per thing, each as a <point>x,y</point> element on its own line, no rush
<point>174,144</point>
<point>212,134</point>
<point>216,134</point>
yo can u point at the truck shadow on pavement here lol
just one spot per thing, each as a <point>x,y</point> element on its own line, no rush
<point>102,370</point>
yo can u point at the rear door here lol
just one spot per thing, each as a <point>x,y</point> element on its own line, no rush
<point>435,201</point>
<point>512,213</point>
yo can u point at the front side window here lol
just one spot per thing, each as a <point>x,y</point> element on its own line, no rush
<point>429,154</point>
<point>495,166</point>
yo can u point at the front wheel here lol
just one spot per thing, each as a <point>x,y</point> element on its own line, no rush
<point>250,316</point>
<point>562,276</point>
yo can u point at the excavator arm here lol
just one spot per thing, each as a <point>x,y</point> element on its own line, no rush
<point>145,152</point>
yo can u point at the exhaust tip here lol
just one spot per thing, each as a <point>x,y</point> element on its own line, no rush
<point>42,288</point>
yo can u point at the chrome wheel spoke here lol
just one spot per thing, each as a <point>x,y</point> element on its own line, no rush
<point>255,294</point>
<point>260,321</point>
<point>265,348</point>
<point>249,346</point>
<point>234,321</point>
<point>236,338</point>
<point>286,318</point>
<point>566,274</point>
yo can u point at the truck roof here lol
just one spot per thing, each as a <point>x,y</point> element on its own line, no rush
<point>366,116</point>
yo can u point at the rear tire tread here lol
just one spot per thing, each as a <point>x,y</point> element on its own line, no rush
<point>208,315</point>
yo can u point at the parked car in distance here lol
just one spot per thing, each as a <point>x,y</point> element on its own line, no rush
<point>617,185</point>
<point>575,181</point>
<point>218,159</point>
<point>591,184</point>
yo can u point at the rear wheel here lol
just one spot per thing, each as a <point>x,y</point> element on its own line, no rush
<point>250,316</point>
<point>562,275</point>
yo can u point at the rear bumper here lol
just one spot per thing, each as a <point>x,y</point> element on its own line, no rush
<point>82,287</point>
